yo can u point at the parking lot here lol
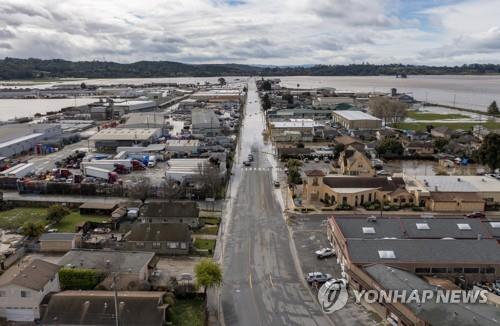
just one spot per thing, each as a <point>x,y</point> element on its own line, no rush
<point>309,235</point>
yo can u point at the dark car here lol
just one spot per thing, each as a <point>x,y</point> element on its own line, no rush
<point>475,215</point>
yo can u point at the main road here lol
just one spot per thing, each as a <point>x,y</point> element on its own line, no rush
<point>262,283</point>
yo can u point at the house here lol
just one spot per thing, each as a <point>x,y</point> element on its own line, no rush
<point>355,191</point>
<point>134,268</point>
<point>386,133</point>
<point>417,135</point>
<point>58,242</point>
<point>419,148</point>
<point>94,308</point>
<point>92,208</point>
<point>161,238</point>
<point>24,286</point>
<point>354,162</point>
<point>171,212</point>
<point>349,141</point>
<point>441,132</point>
<point>326,133</point>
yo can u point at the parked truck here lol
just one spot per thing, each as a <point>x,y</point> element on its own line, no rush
<point>19,170</point>
<point>109,176</point>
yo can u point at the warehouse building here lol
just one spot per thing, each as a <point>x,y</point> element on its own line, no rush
<point>205,122</point>
<point>111,138</point>
<point>182,146</point>
<point>356,120</point>
<point>218,95</point>
<point>19,138</point>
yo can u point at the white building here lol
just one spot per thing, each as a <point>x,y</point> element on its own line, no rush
<point>182,146</point>
<point>23,288</point>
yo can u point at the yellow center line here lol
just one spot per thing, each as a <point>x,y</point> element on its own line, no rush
<point>271,280</point>
<point>250,279</point>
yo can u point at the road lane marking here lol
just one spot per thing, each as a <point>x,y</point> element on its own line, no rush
<point>250,279</point>
<point>271,280</point>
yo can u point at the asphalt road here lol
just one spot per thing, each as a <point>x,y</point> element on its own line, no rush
<point>262,284</point>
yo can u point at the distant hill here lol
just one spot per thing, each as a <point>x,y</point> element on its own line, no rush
<point>12,68</point>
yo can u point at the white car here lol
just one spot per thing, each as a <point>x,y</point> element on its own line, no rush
<point>324,253</point>
<point>318,277</point>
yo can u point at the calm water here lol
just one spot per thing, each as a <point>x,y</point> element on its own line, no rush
<point>10,109</point>
<point>475,92</point>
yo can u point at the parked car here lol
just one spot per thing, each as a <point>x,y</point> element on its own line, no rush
<point>318,277</point>
<point>276,183</point>
<point>475,215</point>
<point>247,163</point>
<point>324,253</point>
<point>316,160</point>
<point>250,157</point>
<point>383,172</point>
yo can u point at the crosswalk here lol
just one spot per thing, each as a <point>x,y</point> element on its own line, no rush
<point>257,169</point>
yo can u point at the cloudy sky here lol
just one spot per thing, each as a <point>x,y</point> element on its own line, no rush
<point>281,32</point>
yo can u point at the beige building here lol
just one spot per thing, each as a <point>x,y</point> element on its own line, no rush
<point>356,120</point>
<point>354,162</point>
<point>354,191</point>
<point>454,202</point>
<point>58,242</point>
<point>293,130</point>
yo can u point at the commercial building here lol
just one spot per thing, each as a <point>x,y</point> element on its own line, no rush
<point>315,114</point>
<point>218,95</point>
<point>182,146</point>
<point>112,138</point>
<point>337,103</point>
<point>451,193</point>
<point>146,120</point>
<point>19,138</point>
<point>185,169</point>
<point>449,248</point>
<point>293,130</point>
<point>356,120</point>
<point>205,122</point>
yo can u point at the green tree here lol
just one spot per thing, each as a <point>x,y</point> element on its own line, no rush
<point>489,152</point>
<point>493,108</point>
<point>222,81</point>
<point>440,144</point>
<point>56,213</point>
<point>80,278</point>
<point>293,163</point>
<point>208,274</point>
<point>390,147</point>
<point>266,102</point>
<point>294,175</point>
<point>266,85</point>
<point>32,229</point>
<point>83,86</point>
<point>337,149</point>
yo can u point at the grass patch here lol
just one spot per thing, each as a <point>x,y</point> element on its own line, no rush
<point>425,116</point>
<point>210,214</point>
<point>15,218</point>
<point>69,223</point>
<point>210,220</point>
<point>421,126</point>
<point>210,230</point>
<point>204,244</point>
<point>188,312</point>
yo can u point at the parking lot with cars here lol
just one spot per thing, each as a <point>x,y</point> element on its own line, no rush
<point>309,236</point>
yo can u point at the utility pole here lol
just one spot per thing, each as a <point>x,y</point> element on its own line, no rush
<point>117,318</point>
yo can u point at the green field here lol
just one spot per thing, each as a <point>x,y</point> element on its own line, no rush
<point>204,244</point>
<point>187,312</point>
<point>461,125</point>
<point>211,230</point>
<point>15,218</point>
<point>426,116</point>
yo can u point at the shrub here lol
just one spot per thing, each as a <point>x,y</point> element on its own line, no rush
<point>56,213</point>
<point>79,278</point>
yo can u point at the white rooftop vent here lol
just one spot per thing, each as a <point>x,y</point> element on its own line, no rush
<point>495,225</point>
<point>423,226</point>
<point>368,230</point>
<point>386,254</point>
<point>463,226</point>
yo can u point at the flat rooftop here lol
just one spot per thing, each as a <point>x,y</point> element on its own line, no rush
<point>460,183</point>
<point>125,134</point>
<point>355,115</point>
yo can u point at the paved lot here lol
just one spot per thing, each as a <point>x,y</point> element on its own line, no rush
<point>175,266</point>
<point>309,235</point>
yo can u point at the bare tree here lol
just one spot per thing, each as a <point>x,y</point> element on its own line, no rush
<point>140,188</point>
<point>388,110</point>
<point>209,179</point>
<point>172,190</point>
